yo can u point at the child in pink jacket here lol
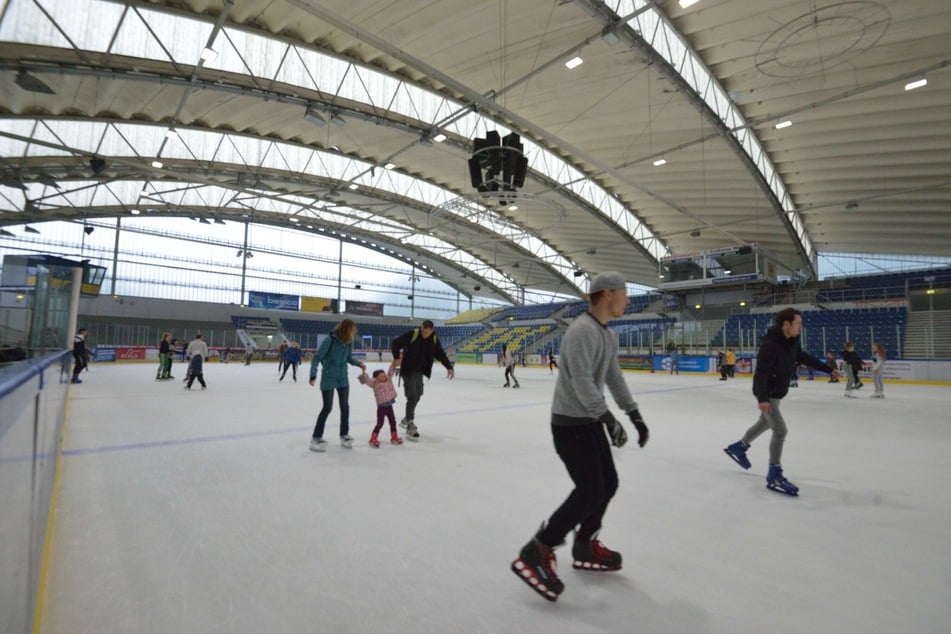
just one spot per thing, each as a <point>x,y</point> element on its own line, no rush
<point>385,394</point>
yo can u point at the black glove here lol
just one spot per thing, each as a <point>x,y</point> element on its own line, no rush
<point>617,433</point>
<point>642,433</point>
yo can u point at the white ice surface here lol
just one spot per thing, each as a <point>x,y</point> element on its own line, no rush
<point>203,512</point>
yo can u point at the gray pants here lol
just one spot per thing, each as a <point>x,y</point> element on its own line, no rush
<point>775,422</point>
<point>877,379</point>
<point>852,381</point>
<point>413,388</point>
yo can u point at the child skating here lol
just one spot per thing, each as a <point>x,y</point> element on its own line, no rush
<point>385,393</point>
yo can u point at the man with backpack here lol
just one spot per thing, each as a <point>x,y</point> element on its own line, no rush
<point>413,353</point>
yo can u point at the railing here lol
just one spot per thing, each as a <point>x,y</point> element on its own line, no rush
<point>32,410</point>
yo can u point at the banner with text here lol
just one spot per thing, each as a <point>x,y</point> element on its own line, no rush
<point>273,301</point>
<point>317,305</point>
<point>370,309</point>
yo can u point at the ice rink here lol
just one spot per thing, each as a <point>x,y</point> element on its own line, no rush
<point>200,512</point>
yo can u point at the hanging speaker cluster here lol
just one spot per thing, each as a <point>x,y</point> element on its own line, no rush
<point>498,165</point>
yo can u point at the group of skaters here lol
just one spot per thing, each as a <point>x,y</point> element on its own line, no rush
<point>414,353</point>
<point>584,428</point>
<point>195,353</point>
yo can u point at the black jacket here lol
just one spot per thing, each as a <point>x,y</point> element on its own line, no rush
<point>775,363</point>
<point>853,359</point>
<point>418,355</point>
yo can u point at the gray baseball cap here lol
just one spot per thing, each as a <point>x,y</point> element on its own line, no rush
<point>606,281</point>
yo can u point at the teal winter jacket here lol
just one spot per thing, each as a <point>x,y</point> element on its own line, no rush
<point>335,357</point>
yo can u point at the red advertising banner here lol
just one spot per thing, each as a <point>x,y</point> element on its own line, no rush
<point>130,354</point>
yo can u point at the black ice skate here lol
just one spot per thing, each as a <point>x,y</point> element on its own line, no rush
<point>535,565</point>
<point>591,554</point>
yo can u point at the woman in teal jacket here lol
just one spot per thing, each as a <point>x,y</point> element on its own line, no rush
<point>335,354</point>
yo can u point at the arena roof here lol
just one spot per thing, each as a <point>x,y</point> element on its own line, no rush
<point>358,117</point>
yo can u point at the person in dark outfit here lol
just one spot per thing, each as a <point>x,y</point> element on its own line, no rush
<point>413,353</point>
<point>79,354</point>
<point>583,429</point>
<point>292,359</point>
<point>779,352</point>
<point>853,365</point>
<point>165,358</point>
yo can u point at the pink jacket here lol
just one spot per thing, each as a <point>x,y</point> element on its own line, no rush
<point>383,391</point>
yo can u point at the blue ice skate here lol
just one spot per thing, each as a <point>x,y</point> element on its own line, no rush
<point>737,451</point>
<point>775,481</point>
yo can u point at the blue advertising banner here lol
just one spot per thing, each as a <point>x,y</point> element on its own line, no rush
<point>103,354</point>
<point>663,362</point>
<point>273,301</point>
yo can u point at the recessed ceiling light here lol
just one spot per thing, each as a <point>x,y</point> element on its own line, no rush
<point>389,166</point>
<point>439,138</point>
<point>134,212</point>
<point>783,124</point>
<point>660,162</point>
<point>574,62</point>
<point>513,207</point>
<point>353,186</point>
<point>157,164</point>
<point>916,84</point>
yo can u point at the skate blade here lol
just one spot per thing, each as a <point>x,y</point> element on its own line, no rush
<point>736,460</point>
<point>590,567</point>
<point>524,573</point>
<point>779,489</point>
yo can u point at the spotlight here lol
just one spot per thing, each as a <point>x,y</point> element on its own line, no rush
<point>578,273</point>
<point>89,230</point>
<point>695,233</point>
<point>97,165</point>
<point>477,288</point>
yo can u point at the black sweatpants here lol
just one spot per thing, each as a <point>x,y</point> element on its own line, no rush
<point>586,452</point>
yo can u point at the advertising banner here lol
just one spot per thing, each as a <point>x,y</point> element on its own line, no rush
<point>103,354</point>
<point>274,301</point>
<point>369,309</point>
<point>130,354</point>
<point>662,363</point>
<point>635,362</point>
<point>317,305</point>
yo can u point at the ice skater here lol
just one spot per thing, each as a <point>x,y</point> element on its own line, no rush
<point>779,352</point>
<point>198,352</point>
<point>878,366</point>
<point>335,354</point>
<point>583,429</point>
<point>292,359</point>
<point>385,394</point>
<point>853,365</point>
<point>508,360</point>
<point>552,363</point>
<point>80,362</point>
<point>413,354</point>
